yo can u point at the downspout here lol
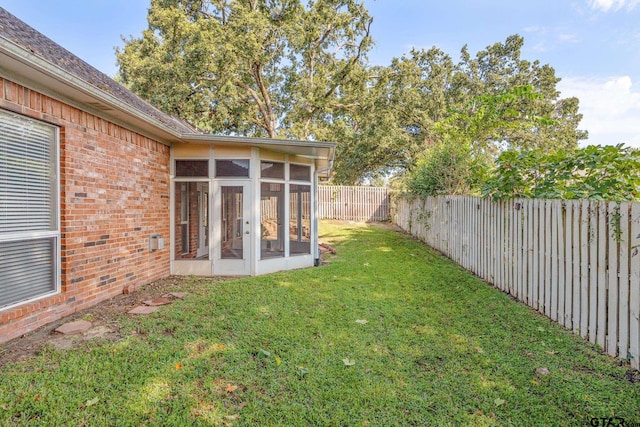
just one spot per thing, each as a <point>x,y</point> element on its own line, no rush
<point>316,220</point>
<point>316,249</point>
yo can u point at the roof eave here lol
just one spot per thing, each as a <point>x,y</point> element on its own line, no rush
<point>39,74</point>
<point>322,152</point>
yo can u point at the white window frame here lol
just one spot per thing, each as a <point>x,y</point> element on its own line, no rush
<point>53,234</point>
<point>214,173</point>
<point>298,181</point>
<point>184,215</point>
<point>291,181</point>
<point>186,180</point>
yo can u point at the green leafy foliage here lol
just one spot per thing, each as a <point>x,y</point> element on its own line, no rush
<point>252,67</point>
<point>445,168</point>
<point>594,172</point>
<point>491,102</point>
<point>460,167</point>
<point>289,69</point>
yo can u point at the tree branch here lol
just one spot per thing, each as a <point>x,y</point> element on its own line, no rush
<point>351,63</point>
<point>269,119</point>
<point>259,103</point>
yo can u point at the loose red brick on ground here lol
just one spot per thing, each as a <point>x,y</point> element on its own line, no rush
<point>143,309</point>
<point>74,327</point>
<point>157,302</point>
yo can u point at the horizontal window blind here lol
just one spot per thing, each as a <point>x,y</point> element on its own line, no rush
<point>27,175</point>
<point>29,259</point>
<point>27,270</point>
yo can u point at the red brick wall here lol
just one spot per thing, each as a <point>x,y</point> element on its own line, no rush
<point>114,188</point>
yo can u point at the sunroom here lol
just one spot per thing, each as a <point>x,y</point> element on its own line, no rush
<point>245,206</point>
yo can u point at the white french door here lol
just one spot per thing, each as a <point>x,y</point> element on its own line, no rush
<point>231,228</point>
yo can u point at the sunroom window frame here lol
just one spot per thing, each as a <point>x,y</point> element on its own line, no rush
<point>23,236</point>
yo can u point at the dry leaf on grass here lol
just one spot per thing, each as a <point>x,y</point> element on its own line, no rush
<point>91,402</point>
<point>348,362</point>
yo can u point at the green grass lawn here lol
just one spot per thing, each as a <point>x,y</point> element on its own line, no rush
<point>388,333</point>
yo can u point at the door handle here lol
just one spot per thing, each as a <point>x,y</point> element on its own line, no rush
<point>246,232</point>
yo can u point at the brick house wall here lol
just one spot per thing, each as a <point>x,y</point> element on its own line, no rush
<point>114,193</point>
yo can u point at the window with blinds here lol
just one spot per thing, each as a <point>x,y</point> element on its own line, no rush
<point>29,230</point>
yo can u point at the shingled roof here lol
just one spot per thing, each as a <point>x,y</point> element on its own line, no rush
<point>18,32</point>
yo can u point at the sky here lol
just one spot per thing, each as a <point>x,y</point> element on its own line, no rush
<point>593,45</point>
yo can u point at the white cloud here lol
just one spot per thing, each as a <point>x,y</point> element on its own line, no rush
<point>535,29</point>
<point>610,108</point>
<point>550,38</point>
<point>606,5</point>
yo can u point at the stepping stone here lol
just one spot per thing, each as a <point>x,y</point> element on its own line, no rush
<point>62,343</point>
<point>157,301</point>
<point>97,332</point>
<point>179,295</point>
<point>143,309</point>
<point>74,327</point>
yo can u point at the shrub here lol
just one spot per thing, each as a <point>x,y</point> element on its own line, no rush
<point>594,172</point>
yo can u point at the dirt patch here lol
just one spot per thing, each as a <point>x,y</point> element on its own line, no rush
<point>103,318</point>
<point>633,376</point>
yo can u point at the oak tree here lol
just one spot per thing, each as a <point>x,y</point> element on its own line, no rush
<point>251,67</point>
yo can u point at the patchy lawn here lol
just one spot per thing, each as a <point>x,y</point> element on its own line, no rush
<point>387,333</point>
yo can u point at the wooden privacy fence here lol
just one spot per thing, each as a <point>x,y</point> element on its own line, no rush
<point>577,262</point>
<point>353,203</point>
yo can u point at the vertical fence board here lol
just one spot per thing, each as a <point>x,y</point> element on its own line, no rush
<point>568,269</point>
<point>479,213</point>
<point>575,318</point>
<point>517,259</point>
<point>464,220</point>
<point>554,260</point>
<point>535,266</point>
<point>541,256</point>
<point>476,232</point>
<point>530,235</point>
<point>623,306</point>
<point>485,241</point>
<point>496,241</point>
<point>562,283</point>
<point>547,259</point>
<point>593,269</point>
<point>500,241</point>
<point>601,332</point>
<point>471,231</point>
<point>472,234</point>
<point>634,288</point>
<point>612,299</point>
<point>511,251</point>
<point>522,261</point>
<point>505,245</point>
<point>585,222</point>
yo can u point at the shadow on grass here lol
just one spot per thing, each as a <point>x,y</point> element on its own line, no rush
<point>388,333</point>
